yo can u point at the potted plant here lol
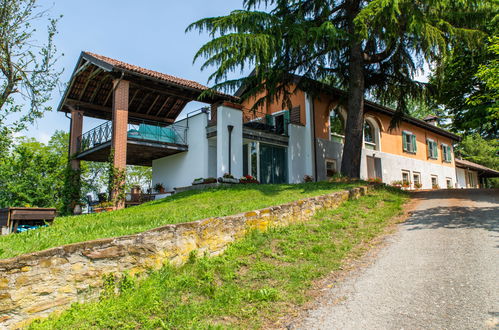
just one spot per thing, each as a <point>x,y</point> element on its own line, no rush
<point>228,178</point>
<point>159,187</point>
<point>307,178</point>
<point>397,183</point>
<point>418,185</point>
<point>338,177</point>
<point>136,190</point>
<point>198,181</point>
<point>104,207</point>
<point>248,179</point>
<point>374,181</point>
<point>209,180</point>
<point>435,186</point>
<point>406,184</point>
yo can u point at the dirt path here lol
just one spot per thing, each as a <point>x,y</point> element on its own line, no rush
<point>440,271</point>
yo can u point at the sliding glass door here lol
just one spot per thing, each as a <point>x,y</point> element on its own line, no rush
<point>273,167</point>
<point>266,162</point>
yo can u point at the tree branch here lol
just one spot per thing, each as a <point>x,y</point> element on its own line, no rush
<point>381,56</point>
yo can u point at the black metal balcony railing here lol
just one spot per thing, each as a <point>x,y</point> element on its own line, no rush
<point>140,130</point>
<point>275,123</point>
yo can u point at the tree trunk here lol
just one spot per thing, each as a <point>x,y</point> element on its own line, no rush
<point>352,150</point>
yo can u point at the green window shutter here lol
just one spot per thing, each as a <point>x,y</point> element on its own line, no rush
<point>448,157</point>
<point>404,141</point>
<point>414,145</point>
<point>287,120</point>
<point>269,120</point>
<point>435,150</point>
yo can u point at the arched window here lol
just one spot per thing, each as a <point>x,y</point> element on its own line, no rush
<point>371,135</point>
<point>369,132</point>
<point>337,125</point>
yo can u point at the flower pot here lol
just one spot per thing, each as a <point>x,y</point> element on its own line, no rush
<point>103,209</point>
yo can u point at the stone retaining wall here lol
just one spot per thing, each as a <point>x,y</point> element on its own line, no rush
<point>37,284</point>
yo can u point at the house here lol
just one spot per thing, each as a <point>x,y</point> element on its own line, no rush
<point>141,109</point>
<point>472,175</point>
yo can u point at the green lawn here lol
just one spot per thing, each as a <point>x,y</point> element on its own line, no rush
<point>257,280</point>
<point>183,207</point>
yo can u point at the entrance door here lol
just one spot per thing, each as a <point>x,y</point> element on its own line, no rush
<point>273,165</point>
<point>373,167</point>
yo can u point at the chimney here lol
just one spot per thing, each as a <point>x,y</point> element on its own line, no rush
<point>431,119</point>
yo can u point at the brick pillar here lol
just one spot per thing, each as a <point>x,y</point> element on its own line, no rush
<point>75,132</point>
<point>120,125</point>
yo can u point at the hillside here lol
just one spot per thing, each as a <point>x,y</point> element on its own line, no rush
<point>182,207</point>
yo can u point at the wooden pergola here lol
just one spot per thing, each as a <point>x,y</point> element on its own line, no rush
<point>105,88</point>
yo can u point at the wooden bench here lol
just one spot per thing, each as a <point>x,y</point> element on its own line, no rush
<point>12,217</point>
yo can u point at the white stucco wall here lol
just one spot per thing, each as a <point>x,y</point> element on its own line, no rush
<point>228,116</point>
<point>297,150</point>
<point>391,165</point>
<point>181,169</point>
<point>460,178</point>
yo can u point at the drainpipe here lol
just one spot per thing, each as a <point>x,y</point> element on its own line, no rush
<point>314,136</point>
<point>230,128</point>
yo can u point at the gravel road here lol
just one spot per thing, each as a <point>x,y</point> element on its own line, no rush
<point>439,271</point>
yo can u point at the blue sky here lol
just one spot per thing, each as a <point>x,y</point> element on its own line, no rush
<point>148,33</point>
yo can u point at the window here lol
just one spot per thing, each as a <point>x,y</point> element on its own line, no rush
<point>446,153</point>
<point>448,181</point>
<point>432,149</point>
<point>416,178</point>
<point>337,126</point>
<point>369,136</point>
<point>331,168</point>
<point>409,142</point>
<point>278,122</point>
<point>253,153</point>
<point>406,178</point>
<point>434,182</point>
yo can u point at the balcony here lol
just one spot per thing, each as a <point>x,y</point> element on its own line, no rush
<point>276,123</point>
<point>146,141</point>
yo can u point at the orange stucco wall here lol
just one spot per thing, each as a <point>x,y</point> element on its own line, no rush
<point>322,108</point>
<point>297,99</point>
<point>391,141</point>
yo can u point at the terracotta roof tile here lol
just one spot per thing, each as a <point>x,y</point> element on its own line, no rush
<point>467,163</point>
<point>154,74</point>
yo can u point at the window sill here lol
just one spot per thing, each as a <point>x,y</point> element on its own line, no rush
<point>410,152</point>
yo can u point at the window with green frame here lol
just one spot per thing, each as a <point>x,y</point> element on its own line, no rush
<point>432,149</point>
<point>446,153</point>
<point>409,142</point>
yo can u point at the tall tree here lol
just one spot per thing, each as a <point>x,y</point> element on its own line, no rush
<point>27,66</point>
<point>374,47</point>
<point>32,173</point>
<point>475,148</point>
<point>459,92</point>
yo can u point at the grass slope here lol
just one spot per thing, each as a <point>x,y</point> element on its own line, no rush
<point>258,279</point>
<point>183,207</point>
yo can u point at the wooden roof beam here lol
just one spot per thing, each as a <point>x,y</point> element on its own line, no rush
<point>153,104</point>
<point>85,105</point>
<point>92,74</point>
<point>163,105</point>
